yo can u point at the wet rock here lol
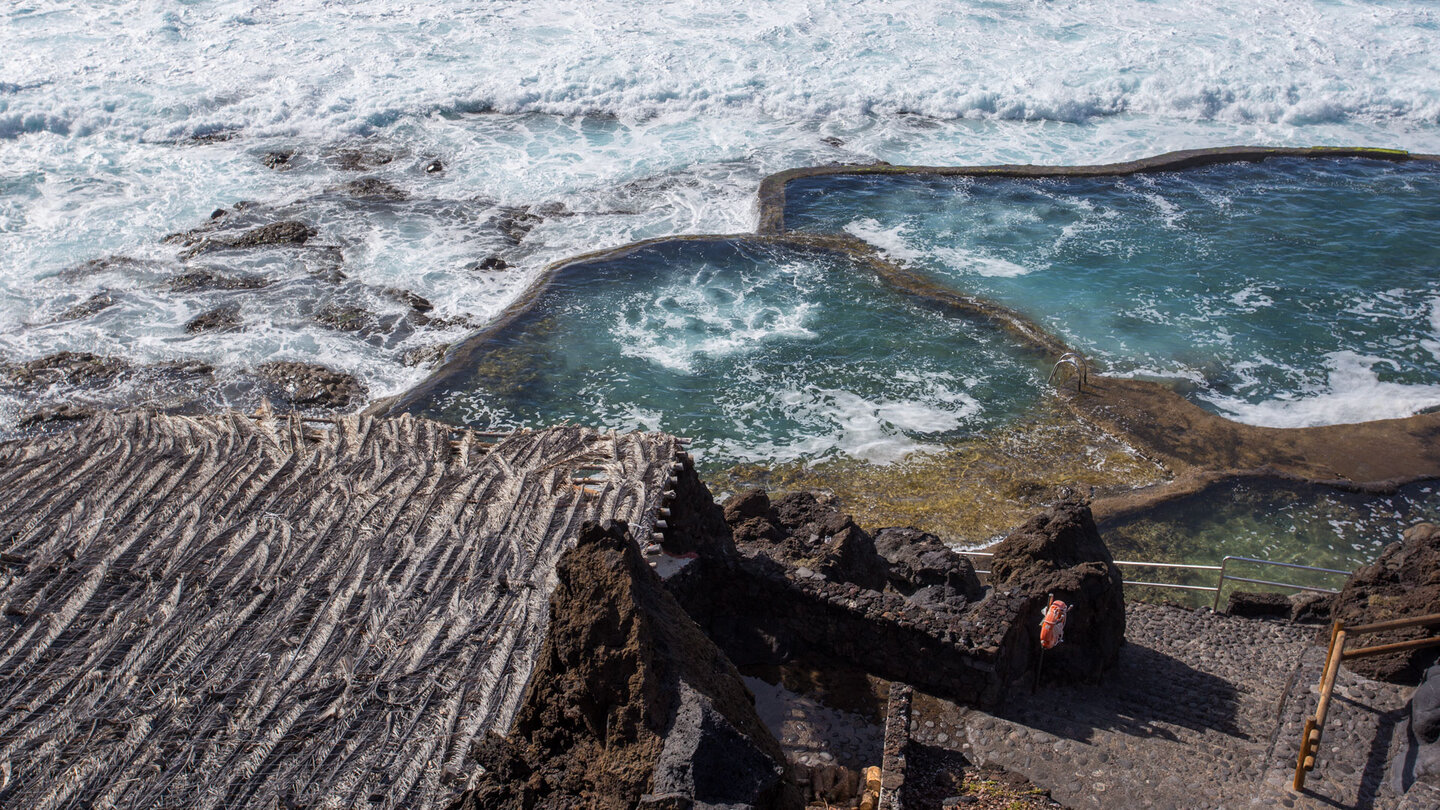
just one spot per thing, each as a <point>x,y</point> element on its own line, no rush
<point>56,414</point>
<point>307,384</point>
<point>348,318</point>
<point>101,265</point>
<point>181,368</point>
<point>434,167</point>
<point>1060,552</point>
<point>289,232</point>
<point>425,355</point>
<point>1403,582</point>
<point>207,279</point>
<point>214,136</point>
<point>490,263</point>
<point>629,704</point>
<point>374,188</point>
<point>359,160</point>
<point>90,306</point>
<point>220,319</point>
<point>516,223</point>
<point>1258,604</point>
<point>73,368</point>
<point>920,560</point>
<point>278,160</point>
<point>457,322</point>
<point>408,298</point>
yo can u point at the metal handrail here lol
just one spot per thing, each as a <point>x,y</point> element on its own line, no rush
<point>1224,575</point>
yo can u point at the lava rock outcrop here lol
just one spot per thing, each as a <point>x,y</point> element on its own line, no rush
<point>1403,582</point>
<point>630,704</point>
<point>1059,552</point>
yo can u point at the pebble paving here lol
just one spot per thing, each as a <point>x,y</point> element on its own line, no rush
<point>1203,711</point>
<point>814,734</point>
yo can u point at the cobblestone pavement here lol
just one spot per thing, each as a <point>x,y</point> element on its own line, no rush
<point>1203,711</point>
<point>814,734</point>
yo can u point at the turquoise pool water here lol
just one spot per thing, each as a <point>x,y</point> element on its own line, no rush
<point>1314,526</point>
<point>764,354</point>
<point>1286,293</point>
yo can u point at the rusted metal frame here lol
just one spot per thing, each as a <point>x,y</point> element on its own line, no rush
<point>1399,646</point>
<point>1393,624</point>
<point>1314,729</point>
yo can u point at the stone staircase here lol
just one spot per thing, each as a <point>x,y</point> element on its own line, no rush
<point>1203,711</point>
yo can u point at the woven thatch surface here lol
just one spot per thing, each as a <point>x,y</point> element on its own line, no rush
<point>225,612</point>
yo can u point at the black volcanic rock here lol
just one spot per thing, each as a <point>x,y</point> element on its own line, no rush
<point>306,384</point>
<point>1403,582</point>
<point>919,560</point>
<point>630,703</point>
<point>1060,552</point>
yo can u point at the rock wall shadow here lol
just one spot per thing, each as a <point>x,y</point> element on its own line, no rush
<point>1144,694</point>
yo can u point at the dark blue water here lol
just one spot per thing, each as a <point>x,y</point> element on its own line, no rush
<point>1286,293</point>
<point>763,353</point>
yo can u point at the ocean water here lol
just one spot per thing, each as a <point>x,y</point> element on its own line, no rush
<point>764,353</point>
<point>521,133</point>
<point>1288,293</point>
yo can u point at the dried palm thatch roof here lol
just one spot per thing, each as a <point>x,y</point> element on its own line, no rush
<point>235,612</point>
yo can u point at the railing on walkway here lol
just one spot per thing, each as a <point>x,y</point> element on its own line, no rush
<point>1222,571</point>
<point>1315,724</point>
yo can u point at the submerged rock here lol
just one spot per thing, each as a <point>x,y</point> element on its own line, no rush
<point>1403,582</point>
<point>207,279</point>
<point>493,263</point>
<point>73,368</point>
<point>374,188</point>
<point>95,303</point>
<point>361,159</point>
<point>630,703</point>
<point>413,300</point>
<point>289,232</point>
<point>1259,604</point>
<point>348,318</point>
<point>425,355</point>
<point>307,384</point>
<point>220,319</point>
<point>104,264</point>
<point>278,160</point>
<point>52,414</point>
<point>1059,552</point>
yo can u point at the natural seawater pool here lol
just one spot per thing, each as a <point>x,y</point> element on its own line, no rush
<point>1305,525</point>
<point>764,353</point>
<point>1285,293</point>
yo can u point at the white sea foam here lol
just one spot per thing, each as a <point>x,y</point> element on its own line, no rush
<point>1354,393</point>
<point>641,120</point>
<point>1251,299</point>
<point>896,243</point>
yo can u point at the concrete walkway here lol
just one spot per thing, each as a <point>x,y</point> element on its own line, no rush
<point>1204,711</point>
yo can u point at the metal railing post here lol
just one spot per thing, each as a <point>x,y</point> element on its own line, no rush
<point>1220,584</point>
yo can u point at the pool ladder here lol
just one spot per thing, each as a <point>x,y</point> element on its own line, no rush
<point>1077,366</point>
